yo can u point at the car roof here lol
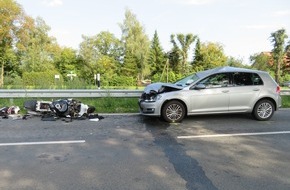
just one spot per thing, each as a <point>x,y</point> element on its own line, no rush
<point>226,69</point>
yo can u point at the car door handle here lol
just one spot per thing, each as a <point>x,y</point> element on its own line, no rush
<point>225,91</point>
<point>256,89</point>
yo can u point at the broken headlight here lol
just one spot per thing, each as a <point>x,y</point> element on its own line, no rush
<point>151,97</point>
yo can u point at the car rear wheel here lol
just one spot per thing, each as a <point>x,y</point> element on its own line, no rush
<point>173,111</point>
<point>263,110</point>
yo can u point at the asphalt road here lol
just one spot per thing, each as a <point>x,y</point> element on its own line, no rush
<point>126,152</point>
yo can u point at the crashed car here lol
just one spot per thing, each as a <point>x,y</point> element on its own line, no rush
<point>214,91</point>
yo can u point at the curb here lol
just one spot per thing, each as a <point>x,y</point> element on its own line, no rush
<point>119,114</point>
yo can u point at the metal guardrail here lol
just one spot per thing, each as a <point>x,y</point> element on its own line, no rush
<point>285,92</point>
<point>77,93</point>
<point>68,93</point>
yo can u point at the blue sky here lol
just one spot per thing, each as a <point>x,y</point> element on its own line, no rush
<point>242,27</point>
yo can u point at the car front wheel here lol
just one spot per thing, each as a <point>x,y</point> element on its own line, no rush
<point>263,110</point>
<point>173,111</point>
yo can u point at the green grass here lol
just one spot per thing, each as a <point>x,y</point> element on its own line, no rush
<point>285,101</point>
<point>113,105</point>
<point>103,105</point>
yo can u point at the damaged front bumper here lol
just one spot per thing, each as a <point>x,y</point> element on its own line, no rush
<point>149,104</point>
<point>149,108</point>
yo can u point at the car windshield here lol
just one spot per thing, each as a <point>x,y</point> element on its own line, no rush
<point>187,80</point>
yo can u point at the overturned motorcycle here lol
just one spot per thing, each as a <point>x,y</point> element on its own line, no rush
<point>62,108</point>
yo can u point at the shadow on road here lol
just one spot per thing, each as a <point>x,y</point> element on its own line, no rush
<point>187,167</point>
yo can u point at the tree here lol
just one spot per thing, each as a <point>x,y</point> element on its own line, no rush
<point>209,55</point>
<point>38,50</point>
<point>262,61</point>
<point>174,57</point>
<point>182,49</point>
<point>233,62</point>
<point>136,45</point>
<point>100,54</point>
<point>197,57</point>
<point>107,44</point>
<point>287,65</point>
<point>157,58</point>
<point>66,61</point>
<point>11,19</point>
<point>278,39</point>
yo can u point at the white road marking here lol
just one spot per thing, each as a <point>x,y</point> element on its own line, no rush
<point>42,143</point>
<point>232,135</point>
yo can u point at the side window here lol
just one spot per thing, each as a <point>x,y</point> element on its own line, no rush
<point>247,79</point>
<point>257,79</point>
<point>216,81</point>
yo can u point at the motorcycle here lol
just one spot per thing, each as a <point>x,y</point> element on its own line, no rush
<point>68,108</point>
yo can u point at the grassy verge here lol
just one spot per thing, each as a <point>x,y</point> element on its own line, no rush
<point>104,105</point>
<point>285,101</point>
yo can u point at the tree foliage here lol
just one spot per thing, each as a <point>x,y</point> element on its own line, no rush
<point>136,45</point>
<point>11,19</point>
<point>100,54</point>
<point>233,62</point>
<point>66,61</point>
<point>279,50</point>
<point>180,51</point>
<point>208,55</point>
<point>38,50</point>
<point>261,61</point>
<point>157,58</point>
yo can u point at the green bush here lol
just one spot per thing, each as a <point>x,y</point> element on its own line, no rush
<point>122,81</point>
<point>40,79</point>
<point>172,77</point>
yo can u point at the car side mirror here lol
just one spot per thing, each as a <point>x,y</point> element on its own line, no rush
<point>199,87</point>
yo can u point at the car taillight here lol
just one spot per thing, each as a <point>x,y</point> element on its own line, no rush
<point>278,89</point>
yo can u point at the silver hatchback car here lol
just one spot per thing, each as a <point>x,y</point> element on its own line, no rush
<point>214,91</point>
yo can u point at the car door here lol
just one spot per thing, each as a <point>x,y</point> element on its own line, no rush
<point>213,98</point>
<point>245,91</point>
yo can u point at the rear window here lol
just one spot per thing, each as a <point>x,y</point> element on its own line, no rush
<point>246,79</point>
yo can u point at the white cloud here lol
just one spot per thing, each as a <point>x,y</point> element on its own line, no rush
<point>258,26</point>
<point>53,3</point>
<point>263,26</point>
<point>282,13</point>
<point>195,2</point>
<point>66,38</point>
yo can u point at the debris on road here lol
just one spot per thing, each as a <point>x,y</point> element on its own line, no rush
<point>6,111</point>
<point>62,108</point>
<point>69,109</point>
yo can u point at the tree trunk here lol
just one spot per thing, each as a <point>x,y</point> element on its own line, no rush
<point>278,70</point>
<point>2,75</point>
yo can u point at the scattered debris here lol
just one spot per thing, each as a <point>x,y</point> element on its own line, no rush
<point>62,108</point>
<point>95,117</point>
<point>69,109</point>
<point>5,112</point>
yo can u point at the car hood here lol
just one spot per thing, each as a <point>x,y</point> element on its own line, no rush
<point>161,88</point>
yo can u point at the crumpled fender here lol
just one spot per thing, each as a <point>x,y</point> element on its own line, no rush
<point>161,88</point>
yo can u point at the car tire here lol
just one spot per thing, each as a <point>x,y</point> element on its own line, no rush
<point>173,111</point>
<point>263,110</point>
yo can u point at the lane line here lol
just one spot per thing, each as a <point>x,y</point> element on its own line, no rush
<point>233,135</point>
<point>42,143</point>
